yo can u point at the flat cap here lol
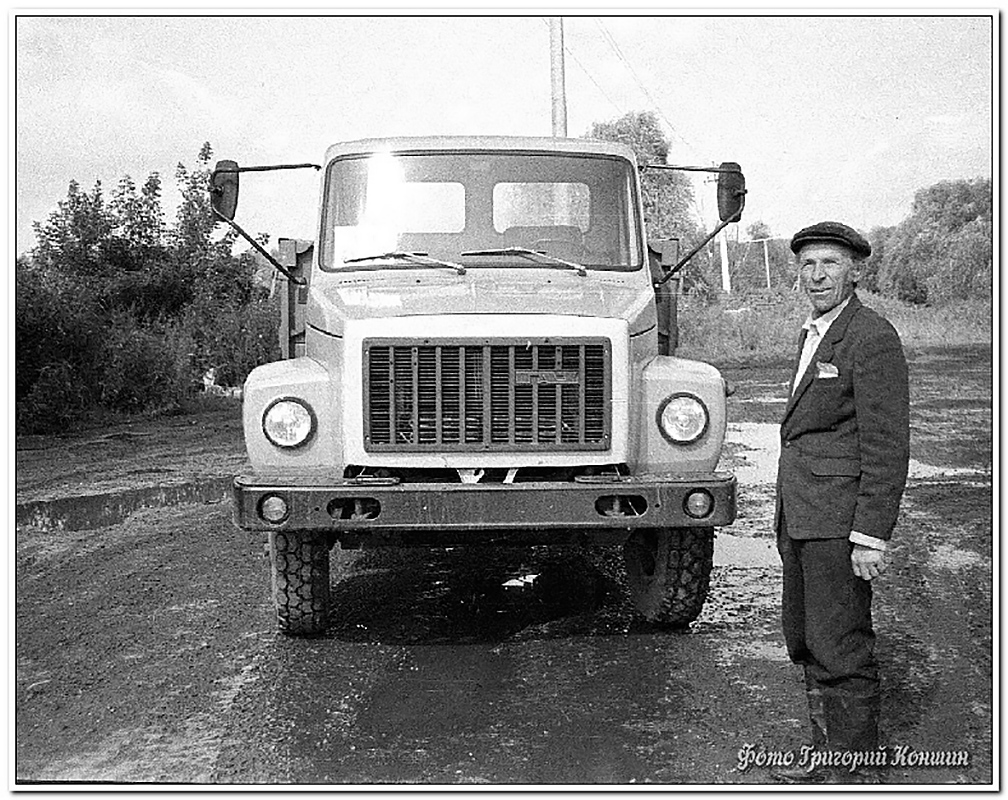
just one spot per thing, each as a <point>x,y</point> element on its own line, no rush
<point>835,232</point>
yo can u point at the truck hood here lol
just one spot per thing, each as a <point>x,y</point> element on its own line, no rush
<point>335,300</point>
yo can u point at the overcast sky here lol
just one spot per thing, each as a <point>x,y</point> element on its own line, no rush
<point>831,117</point>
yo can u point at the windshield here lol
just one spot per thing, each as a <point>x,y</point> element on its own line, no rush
<point>477,208</point>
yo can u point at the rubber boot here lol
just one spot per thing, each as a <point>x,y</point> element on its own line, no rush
<point>817,721</point>
<point>852,726</point>
<point>817,713</point>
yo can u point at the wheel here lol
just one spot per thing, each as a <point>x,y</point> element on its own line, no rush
<point>300,566</point>
<point>668,572</point>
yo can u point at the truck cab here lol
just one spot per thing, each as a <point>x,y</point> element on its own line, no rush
<point>471,356</point>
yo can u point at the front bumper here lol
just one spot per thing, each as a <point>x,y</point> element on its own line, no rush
<point>410,511</point>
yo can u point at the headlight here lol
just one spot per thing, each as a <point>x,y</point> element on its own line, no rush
<point>288,422</point>
<point>682,419</point>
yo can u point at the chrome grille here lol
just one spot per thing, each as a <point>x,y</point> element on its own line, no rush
<point>487,395</point>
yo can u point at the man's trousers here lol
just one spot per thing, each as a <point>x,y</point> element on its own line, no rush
<point>826,615</point>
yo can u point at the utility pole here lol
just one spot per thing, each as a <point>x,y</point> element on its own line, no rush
<point>766,262</point>
<point>557,77</point>
<point>725,274</point>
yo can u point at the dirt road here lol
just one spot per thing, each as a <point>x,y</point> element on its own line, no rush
<point>146,650</point>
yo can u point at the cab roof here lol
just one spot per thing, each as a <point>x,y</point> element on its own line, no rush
<point>544,144</point>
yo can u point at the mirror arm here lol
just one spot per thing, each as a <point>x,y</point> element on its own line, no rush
<point>718,170</point>
<point>272,167</point>
<point>721,226</point>
<point>261,250</point>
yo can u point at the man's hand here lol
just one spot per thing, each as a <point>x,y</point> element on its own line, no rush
<point>867,562</point>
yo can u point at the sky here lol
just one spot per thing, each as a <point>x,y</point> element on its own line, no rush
<point>831,117</point>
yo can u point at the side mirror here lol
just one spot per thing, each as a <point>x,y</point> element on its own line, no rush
<point>224,188</point>
<point>730,191</point>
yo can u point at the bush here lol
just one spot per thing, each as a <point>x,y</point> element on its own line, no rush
<point>753,334</point>
<point>232,340</point>
<point>958,323</point>
<point>157,291</point>
<point>138,369</point>
<point>58,333</point>
<point>58,398</point>
<point>731,332</point>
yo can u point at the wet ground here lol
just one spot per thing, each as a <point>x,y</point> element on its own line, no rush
<point>146,650</point>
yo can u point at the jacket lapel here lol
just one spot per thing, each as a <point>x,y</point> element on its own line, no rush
<point>824,352</point>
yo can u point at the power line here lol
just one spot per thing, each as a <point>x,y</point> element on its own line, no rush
<point>619,54</point>
<point>588,74</point>
<point>592,79</point>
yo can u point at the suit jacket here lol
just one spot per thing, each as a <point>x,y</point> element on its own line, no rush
<point>845,435</point>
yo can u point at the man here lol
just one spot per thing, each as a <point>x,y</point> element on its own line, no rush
<point>845,443</point>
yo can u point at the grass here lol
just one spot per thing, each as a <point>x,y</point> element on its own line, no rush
<point>736,331</point>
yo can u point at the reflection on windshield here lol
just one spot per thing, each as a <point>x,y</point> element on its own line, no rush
<point>573,209</point>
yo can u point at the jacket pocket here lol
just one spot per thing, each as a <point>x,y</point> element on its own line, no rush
<point>832,465</point>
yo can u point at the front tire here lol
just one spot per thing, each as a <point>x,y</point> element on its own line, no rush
<point>300,578</point>
<point>668,572</point>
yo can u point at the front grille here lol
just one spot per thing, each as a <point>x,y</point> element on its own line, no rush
<point>487,395</point>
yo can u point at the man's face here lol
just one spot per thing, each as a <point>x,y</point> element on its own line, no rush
<point>828,273</point>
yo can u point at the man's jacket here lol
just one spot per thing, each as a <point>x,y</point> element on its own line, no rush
<point>845,436</point>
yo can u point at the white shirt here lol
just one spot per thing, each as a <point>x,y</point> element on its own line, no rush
<point>816,329</point>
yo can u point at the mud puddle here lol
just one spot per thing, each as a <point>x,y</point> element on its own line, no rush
<point>753,448</point>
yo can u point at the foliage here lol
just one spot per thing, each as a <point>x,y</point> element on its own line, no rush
<point>759,333</point>
<point>879,238</point>
<point>139,223</point>
<point>58,331</point>
<point>76,237</point>
<point>58,398</point>
<point>192,237</point>
<point>726,334</point>
<point>668,200</point>
<point>758,230</point>
<point>942,254</point>
<point>943,251</point>
<point>750,260</point>
<point>118,312</point>
<point>138,368</point>
<point>231,340</point>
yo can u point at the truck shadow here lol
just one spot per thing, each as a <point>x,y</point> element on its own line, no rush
<point>467,595</point>
<point>433,672</point>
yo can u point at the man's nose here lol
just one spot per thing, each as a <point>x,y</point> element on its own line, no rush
<point>817,273</point>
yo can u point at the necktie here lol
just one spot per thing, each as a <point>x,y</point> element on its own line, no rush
<point>808,350</point>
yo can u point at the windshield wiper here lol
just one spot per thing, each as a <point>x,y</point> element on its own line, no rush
<point>408,255</point>
<point>542,258</point>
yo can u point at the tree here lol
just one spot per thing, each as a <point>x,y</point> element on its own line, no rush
<point>116,312</point>
<point>667,195</point>
<point>878,236</point>
<point>758,230</point>
<point>194,221</point>
<point>72,240</point>
<point>944,250</point>
<point>139,219</point>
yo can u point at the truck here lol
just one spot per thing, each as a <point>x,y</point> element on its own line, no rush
<point>479,349</point>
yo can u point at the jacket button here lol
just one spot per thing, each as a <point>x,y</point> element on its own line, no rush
<point>787,444</point>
